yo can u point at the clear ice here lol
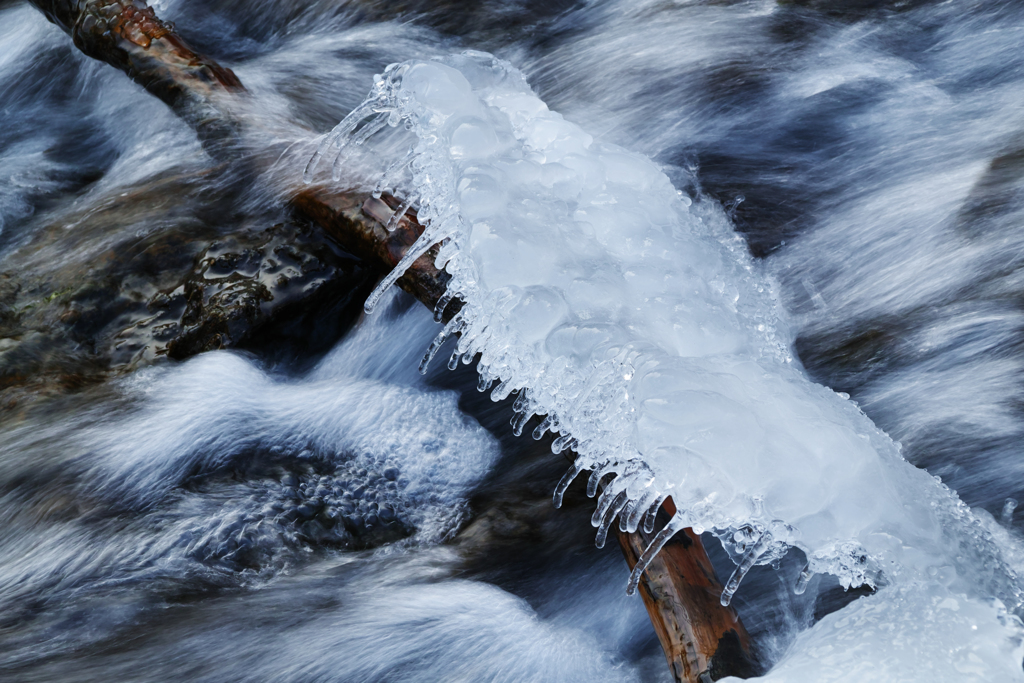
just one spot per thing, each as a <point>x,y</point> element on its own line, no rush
<point>633,322</point>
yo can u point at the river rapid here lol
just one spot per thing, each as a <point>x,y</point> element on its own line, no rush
<point>311,507</point>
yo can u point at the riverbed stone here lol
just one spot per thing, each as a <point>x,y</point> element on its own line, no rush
<point>144,276</point>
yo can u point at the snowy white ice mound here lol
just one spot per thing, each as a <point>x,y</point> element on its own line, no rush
<point>638,325</point>
<point>917,632</point>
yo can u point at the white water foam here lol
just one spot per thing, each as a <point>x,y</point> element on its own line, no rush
<point>635,322</point>
<point>212,410</point>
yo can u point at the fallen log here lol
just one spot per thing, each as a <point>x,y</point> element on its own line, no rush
<point>702,639</point>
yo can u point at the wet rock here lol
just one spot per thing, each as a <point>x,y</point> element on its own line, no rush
<point>145,274</point>
<point>238,286</point>
<point>290,506</point>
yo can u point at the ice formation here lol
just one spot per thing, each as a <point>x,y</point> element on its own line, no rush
<point>908,633</point>
<point>634,321</point>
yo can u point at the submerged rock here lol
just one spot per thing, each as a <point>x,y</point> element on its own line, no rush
<point>275,506</point>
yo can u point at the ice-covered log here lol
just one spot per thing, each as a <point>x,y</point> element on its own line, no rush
<point>702,638</point>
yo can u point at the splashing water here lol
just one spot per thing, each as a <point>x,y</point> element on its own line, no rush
<point>634,322</point>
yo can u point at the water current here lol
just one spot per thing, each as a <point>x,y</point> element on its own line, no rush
<point>763,257</point>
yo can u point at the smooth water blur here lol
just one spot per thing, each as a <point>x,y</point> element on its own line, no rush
<point>156,530</point>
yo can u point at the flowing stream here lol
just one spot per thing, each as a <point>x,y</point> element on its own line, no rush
<point>762,257</point>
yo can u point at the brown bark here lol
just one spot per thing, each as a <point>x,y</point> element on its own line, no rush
<point>702,639</point>
<point>357,224</point>
<point>130,37</point>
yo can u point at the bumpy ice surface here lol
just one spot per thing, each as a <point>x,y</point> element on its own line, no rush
<point>634,321</point>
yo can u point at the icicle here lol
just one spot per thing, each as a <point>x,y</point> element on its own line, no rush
<point>604,503</point>
<point>468,344</point>
<point>544,426</point>
<point>652,513</point>
<point>399,213</point>
<point>419,247</point>
<point>636,512</point>
<point>519,421</point>
<point>502,391</point>
<point>564,482</point>
<point>748,561</point>
<point>442,304</point>
<point>387,178</point>
<point>347,125</point>
<point>803,579</point>
<point>456,325</point>
<point>606,522</point>
<point>674,525</point>
<point>359,138</point>
<point>453,362</point>
<point>626,512</point>
<point>595,479</point>
<point>370,128</point>
<point>449,248</point>
<point>624,515</point>
<point>562,443</point>
<point>523,407</point>
<point>484,383</point>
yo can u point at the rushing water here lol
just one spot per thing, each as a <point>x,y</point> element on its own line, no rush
<point>162,528</point>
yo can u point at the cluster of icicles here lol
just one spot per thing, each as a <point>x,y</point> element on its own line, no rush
<point>586,406</point>
<point>442,227</point>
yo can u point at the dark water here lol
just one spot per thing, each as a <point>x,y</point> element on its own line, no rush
<point>305,511</point>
